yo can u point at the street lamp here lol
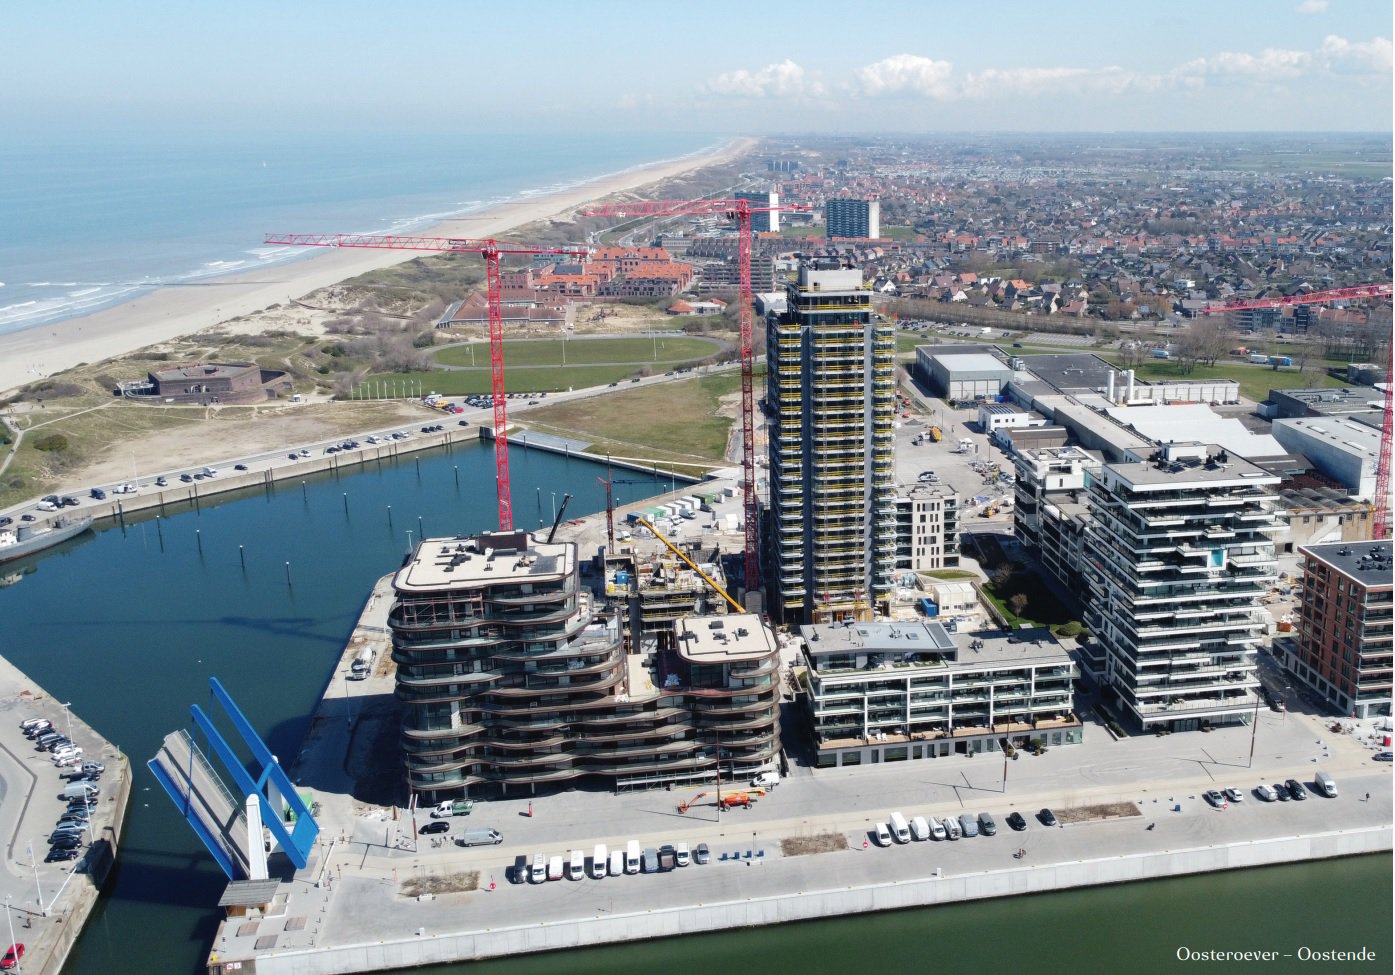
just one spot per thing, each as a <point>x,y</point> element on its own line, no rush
<point>68,719</point>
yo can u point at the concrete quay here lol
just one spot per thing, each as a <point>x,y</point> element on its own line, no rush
<point>351,910</point>
<point>48,903</point>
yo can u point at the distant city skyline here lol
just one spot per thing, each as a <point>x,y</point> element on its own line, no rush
<point>722,67</point>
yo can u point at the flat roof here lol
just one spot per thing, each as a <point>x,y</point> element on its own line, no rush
<point>724,639</point>
<point>204,370</point>
<point>489,558</point>
<point>1196,421</point>
<point>972,362</point>
<point>1368,562</point>
<point>1214,467</point>
<point>1074,371</point>
<point>896,640</point>
<point>1353,433</point>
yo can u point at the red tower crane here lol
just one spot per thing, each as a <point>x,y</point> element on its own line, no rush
<point>740,211</point>
<point>491,250</point>
<point>1312,297</point>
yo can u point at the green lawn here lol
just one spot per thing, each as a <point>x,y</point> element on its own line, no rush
<point>673,421</point>
<point>1043,608</point>
<point>535,365</point>
<point>665,350</point>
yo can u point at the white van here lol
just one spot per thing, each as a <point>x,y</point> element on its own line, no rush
<point>598,861</point>
<point>883,834</point>
<point>952,828</point>
<point>900,829</point>
<point>937,829</point>
<point>617,862</point>
<point>920,829</point>
<point>554,868</point>
<point>632,856</point>
<point>1326,785</point>
<point>576,866</point>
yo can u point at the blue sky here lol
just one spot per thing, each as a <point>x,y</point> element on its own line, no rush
<point>716,66</point>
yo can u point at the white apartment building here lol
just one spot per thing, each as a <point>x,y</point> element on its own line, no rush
<point>1178,551</point>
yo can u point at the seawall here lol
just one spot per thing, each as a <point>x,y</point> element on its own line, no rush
<point>810,905</point>
<point>178,493</point>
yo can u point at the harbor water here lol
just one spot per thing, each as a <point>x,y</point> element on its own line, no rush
<point>261,590</point>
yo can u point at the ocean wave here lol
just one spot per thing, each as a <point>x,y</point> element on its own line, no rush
<point>97,294</point>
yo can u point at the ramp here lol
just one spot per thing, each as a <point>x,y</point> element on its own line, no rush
<point>206,804</point>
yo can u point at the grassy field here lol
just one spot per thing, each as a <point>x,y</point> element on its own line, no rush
<point>678,421</point>
<point>536,365</point>
<point>652,351</point>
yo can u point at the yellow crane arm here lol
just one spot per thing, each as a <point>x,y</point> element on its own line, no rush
<point>705,577</point>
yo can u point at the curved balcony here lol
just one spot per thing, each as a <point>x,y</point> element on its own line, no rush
<point>538,684</point>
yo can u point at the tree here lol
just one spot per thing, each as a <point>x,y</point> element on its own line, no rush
<point>1017,603</point>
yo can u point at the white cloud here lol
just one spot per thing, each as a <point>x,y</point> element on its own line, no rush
<point>1345,57</point>
<point>908,72</point>
<point>1312,7</point>
<point>784,80</point>
<point>1111,80</point>
<point>1271,63</point>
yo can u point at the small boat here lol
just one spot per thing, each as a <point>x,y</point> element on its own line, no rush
<point>17,541</point>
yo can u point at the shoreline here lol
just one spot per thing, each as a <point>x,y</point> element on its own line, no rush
<point>30,354</point>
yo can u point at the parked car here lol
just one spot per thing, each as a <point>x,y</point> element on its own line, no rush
<point>1296,790</point>
<point>1382,756</point>
<point>12,957</point>
<point>883,835</point>
<point>1047,817</point>
<point>1016,821</point>
<point>702,854</point>
<point>1233,795</point>
<point>436,826</point>
<point>60,854</point>
<point>1281,792</point>
<point>1265,793</point>
<point>1215,798</point>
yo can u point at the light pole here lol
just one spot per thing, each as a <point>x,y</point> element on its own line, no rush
<point>68,719</point>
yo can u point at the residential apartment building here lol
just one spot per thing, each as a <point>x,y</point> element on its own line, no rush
<point>1050,514</point>
<point>762,221</point>
<point>1178,551</point>
<point>852,218</point>
<point>899,691</point>
<point>511,677</point>
<point>830,390</point>
<point>1343,649</point>
<point>927,529</point>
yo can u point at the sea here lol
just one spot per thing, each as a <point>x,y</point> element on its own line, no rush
<point>93,220</point>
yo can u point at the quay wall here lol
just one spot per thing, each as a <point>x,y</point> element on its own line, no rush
<point>346,462</point>
<point>414,951</point>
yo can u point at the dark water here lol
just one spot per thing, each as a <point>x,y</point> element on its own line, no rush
<point>129,625</point>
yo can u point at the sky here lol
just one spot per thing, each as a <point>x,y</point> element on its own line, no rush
<point>717,66</point>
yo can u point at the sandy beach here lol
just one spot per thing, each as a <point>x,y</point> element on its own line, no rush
<point>170,312</point>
